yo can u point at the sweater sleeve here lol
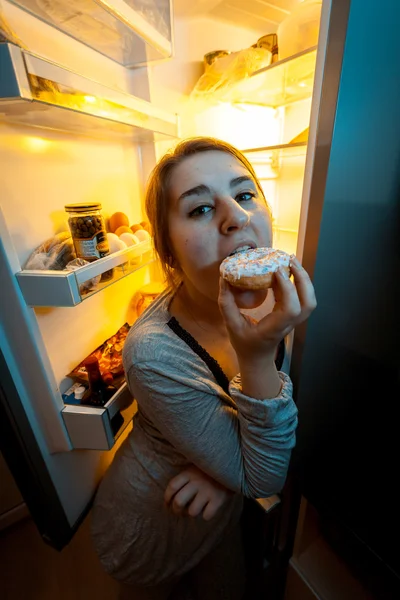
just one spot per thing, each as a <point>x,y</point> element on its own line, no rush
<point>247,448</point>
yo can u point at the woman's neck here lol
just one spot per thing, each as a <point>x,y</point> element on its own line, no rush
<point>201,309</point>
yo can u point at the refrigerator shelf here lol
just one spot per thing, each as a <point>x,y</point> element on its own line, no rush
<point>281,83</point>
<point>130,32</point>
<point>270,160</point>
<point>266,153</point>
<point>39,93</point>
<point>98,428</point>
<point>67,288</point>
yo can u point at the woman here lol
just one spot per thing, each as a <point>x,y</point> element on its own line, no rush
<point>204,436</point>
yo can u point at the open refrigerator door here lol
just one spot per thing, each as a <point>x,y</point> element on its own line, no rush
<point>76,127</point>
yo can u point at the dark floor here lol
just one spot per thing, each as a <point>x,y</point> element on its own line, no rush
<point>32,570</point>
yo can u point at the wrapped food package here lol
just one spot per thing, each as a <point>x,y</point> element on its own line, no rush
<point>53,255</point>
<point>109,355</point>
<point>225,72</point>
<point>90,284</point>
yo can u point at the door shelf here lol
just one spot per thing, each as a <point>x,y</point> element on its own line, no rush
<point>68,288</point>
<point>39,93</point>
<point>95,428</point>
<point>130,32</point>
<point>279,84</point>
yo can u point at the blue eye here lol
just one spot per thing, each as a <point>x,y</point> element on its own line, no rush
<point>200,210</point>
<point>245,196</point>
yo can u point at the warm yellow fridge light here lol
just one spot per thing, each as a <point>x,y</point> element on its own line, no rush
<point>244,126</point>
<point>37,144</point>
<point>90,99</point>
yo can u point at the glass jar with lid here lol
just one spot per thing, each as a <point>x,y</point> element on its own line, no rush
<point>88,231</point>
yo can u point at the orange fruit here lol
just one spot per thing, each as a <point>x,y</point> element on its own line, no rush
<point>146,226</point>
<point>122,229</point>
<point>118,219</point>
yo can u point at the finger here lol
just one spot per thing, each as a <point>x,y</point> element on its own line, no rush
<point>287,304</point>
<point>286,309</point>
<point>286,295</point>
<point>175,484</point>
<point>248,298</point>
<point>304,286</point>
<point>197,505</point>
<point>228,307</point>
<point>211,510</point>
<point>183,498</point>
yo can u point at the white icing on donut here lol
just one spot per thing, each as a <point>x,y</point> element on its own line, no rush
<point>250,263</point>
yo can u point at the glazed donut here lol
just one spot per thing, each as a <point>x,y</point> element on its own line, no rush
<point>254,269</point>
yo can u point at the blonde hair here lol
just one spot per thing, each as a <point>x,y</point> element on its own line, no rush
<point>157,195</point>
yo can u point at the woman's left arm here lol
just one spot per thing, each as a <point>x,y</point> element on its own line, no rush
<point>197,493</point>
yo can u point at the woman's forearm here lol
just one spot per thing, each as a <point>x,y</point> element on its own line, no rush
<point>259,377</point>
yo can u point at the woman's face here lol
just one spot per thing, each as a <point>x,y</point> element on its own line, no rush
<point>215,208</point>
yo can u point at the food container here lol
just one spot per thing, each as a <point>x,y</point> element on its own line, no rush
<point>300,29</point>
<point>269,42</point>
<point>88,232</point>
<point>145,296</point>
<point>212,56</point>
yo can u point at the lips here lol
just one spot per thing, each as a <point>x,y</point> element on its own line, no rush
<point>242,246</point>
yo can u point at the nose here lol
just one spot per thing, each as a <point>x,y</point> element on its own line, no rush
<point>234,216</point>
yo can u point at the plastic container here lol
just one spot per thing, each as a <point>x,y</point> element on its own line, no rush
<point>269,42</point>
<point>300,30</point>
<point>131,32</point>
<point>145,296</point>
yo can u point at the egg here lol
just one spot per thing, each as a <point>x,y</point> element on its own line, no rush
<point>115,243</point>
<point>135,227</point>
<point>142,234</point>
<point>129,238</point>
<point>118,219</point>
<point>121,230</point>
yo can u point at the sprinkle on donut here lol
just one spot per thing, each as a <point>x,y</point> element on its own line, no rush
<point>254,268</point>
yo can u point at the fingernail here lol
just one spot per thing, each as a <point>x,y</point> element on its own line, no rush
<point>283,272</point>
<point>294,260</point>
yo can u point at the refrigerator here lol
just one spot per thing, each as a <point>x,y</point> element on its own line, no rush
<point>321,128</point>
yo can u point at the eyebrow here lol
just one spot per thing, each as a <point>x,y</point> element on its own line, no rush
<point>204,189</point>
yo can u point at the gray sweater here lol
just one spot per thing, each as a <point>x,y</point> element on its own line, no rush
<point>184,417</point>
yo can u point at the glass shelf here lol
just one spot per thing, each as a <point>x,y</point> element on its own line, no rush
<point>281,83</point>
<point>37,92</point>
<point>69,288</point>
<point>130,32</point>
<point>268,161</point>
<point>266,153</point>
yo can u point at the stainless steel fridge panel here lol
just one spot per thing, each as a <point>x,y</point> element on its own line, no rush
<point>346,362</point>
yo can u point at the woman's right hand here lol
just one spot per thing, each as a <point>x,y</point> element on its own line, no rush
<point>195,493</point>
<point>255,342</point>
<point>293,304</point>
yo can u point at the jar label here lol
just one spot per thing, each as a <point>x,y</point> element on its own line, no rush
<point>95,247</point>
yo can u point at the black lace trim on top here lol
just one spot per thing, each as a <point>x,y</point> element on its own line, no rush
<point>211,363</point>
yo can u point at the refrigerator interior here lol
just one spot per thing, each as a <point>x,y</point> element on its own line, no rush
<point>273,109</point>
